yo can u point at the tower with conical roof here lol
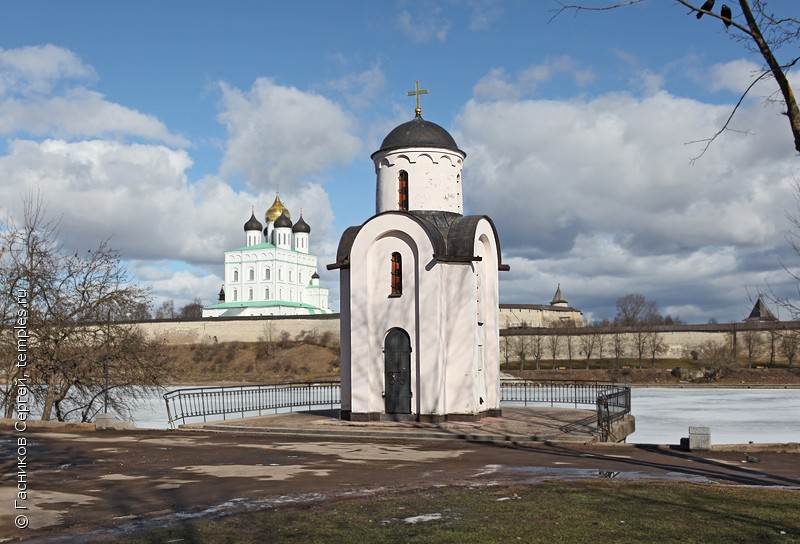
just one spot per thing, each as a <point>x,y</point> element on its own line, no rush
<point>419,289</point>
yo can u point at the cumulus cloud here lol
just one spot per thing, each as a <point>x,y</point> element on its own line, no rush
<point>42,95</point>
<point>37,69</point>
<point>359,89</point>
<point>280,135</point>
<point>80,113</point>
<point>500,85</point>
<point>424,27</point>
<point>612,203</point>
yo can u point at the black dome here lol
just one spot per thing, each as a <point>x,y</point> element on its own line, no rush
<point>253,223</point>
<point>301,226</point>
<point>282,221</point>
<point>418,133</point>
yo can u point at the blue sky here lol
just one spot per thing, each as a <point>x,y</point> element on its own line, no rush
<point>161,123</point>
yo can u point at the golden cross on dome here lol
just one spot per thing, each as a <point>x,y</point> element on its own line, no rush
<point>417,92</point>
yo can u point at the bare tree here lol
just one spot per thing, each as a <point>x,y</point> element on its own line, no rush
<point>193,310</point>
<point>536,348</point>
<point>655,345</point>
<point>588,343</point>
<point>789,345</point>
<point>760,32</point>
<point>619,345</point>
<point>79,350</point>
<point>716,356</point>
<point>600,344</point>
<point>166,310</point>
<point>506,349</point>
<point>753,344</point>
<point>634,308</point>
<point>522,349</point>
<point>554,345</point>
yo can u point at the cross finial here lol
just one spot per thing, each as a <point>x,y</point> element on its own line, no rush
<point>417,92</point>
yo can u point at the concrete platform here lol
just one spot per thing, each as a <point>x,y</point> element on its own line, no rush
<point>517,424</point>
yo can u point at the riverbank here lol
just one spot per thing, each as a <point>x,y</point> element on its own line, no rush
<point>667,377</point>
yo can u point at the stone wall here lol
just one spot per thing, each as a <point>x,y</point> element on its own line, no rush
<point>240,329</point>
<point>678,340</point>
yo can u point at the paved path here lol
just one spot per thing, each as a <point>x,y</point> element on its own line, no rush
<point>86,486</point>
<point>518,424</point>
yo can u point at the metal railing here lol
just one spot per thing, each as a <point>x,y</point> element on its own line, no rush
<point>612,405</point>
<point>612,401</point>
<point>248,399</point>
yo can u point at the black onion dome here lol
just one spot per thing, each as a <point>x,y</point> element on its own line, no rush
<point>301,226</point>
<point>282,221</point>
<point>253,223</point>
<point>418,133</point>
<point>314,276</point>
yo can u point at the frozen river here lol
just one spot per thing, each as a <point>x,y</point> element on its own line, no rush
<point>735,416</point>
<point>664,415</point>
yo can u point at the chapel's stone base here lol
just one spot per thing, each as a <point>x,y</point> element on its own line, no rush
<point>347,415</point>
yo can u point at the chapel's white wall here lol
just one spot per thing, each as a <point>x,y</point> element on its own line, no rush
<point>345,336</point>
<point>486,248</point>
<point>374,313</point>
<point>434,179</point>
<point>459,334</point>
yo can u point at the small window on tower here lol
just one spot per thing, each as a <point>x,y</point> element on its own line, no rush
<point>252,274</point>
<point>402,190</point>
<point>235,275</point>
<point>397,275</point>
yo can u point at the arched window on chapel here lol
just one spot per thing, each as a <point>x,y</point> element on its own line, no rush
<point>402,190</point>
<point>397,275</point>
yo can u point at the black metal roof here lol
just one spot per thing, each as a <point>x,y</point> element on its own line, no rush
<point>418,133</point>
<point>253,223</point>
<point>452,236</point>
<point>301,226</point>
<point>282,222</point>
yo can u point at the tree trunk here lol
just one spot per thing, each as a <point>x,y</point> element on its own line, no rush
<point>792,111</point>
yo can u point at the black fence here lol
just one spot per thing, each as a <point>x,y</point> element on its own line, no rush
<point>612,401</point>
<point>244,400</point>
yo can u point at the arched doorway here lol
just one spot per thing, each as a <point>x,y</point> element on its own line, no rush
<point>397,369</point>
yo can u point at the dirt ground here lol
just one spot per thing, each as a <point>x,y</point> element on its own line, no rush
<point>88,486</point>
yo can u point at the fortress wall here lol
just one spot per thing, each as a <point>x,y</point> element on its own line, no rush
<point>244,329</point>
<point>678,340</point>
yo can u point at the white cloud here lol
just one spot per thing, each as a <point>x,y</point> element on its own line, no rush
<point>732,76</point>
<point>499,85</point>
<point>80,113</point>
<point>425,27</point>
<point>280,135</point>
<point>37,69</point>
<point>358,90</point>
<point>41,96</point>
<point>599,195</point>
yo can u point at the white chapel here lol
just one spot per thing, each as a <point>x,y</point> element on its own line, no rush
<point>419,289</point>
<point>273,273</point>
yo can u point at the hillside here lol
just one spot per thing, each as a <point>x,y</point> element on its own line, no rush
<point>240,363</point>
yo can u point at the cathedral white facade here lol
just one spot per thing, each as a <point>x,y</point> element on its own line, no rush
<point>419,290</point>
<point>273,273</point>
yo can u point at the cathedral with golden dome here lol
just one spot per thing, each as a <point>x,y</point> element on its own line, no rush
<point>273,273</point>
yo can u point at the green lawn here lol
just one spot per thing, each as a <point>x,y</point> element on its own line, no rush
<point>554,512</point>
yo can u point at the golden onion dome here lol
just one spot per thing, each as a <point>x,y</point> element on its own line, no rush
<point>275,211</point>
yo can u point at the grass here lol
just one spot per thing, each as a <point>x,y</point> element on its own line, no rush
<point>552,512</point>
